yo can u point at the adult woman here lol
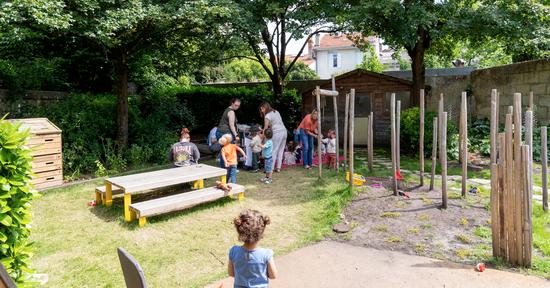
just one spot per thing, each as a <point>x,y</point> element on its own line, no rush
<point>228,122</point>
<point>273,120</point>
<point>184,152</point>
<point>308,132</point>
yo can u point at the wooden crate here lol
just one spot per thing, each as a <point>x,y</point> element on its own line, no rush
<point>45,142</point>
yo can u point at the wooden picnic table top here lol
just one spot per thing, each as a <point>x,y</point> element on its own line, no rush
<point>165,177</point>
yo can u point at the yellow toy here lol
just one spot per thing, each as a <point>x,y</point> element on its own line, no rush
<point>358,180</point>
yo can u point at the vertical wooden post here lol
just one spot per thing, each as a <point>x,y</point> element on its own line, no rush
<point>544,159</point>
<point>421,146</point>
<point>518,181</point>
<point>464,140</point>
<point>443,156</point>
<point>319,143</point>
<point>371,141</point>
<point>509,188</point>
<point>529,136</point>
<point>397,136</point>
<point>393,138</point>
<point>434,153</point>
<point>495,208</point>
<point>531,106</point>
<point>440,125</point>
<point>335,105</point>
<point>351,132</point>
<point>502,204</point>
<point>494,125</point>
<point>346,130</point>
<point>526,207</point>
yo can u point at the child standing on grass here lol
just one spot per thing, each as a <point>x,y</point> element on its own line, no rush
<point>229,156</point>
<point>255,144</point>
<point>267,151</point>
<point>250,265</point>
<point>330,141</point>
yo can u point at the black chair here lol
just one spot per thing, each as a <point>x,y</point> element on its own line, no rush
<point>5,280</point>
<point>133,274</point>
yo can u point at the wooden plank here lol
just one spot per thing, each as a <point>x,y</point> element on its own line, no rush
<point>371,142</point>
<point>443,155</point>
<point>319,131</point>
<point>329,93</point>
<point>43,139</point>
<point>46,151</point>
<point>335,104</point>
<point>509,189</point>
<point>518,180</point>
<point>501,192</point>
<point>346,132</point>
<point>494,126</point>
<point>526,205</point>
<point>421,146</point>
<point>434,152</point>
<point>495,221</point>
<point>397,134</point>
<point>544,159</point>
<point>531,105</point>
<point>181,201</point>
<point>44,166</point>
<point>393,145</point>
<point>351,135</point>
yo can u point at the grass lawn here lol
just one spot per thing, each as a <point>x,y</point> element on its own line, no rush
<point>76,244</point>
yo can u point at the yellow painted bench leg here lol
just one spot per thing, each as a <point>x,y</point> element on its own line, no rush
<point>142,221</point>
<point>223,179</point>
<point>127,202</point>
<point>201,184</point>
<point>108,194</point>
<point>241,196</point>
<point>97,198</point>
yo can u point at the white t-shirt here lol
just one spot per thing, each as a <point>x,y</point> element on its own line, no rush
<point>331,144</point>
<point>275,121</point>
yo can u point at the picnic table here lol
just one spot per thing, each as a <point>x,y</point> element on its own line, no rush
<point>136,183</point>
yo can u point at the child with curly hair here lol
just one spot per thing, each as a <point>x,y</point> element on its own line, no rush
<point>251,266</point>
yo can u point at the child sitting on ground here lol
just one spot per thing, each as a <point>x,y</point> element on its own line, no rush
<point>267,151</point>
<point>251,266</point>
<point>229,156</point>
<point>330,143</point>
<point>255,144</point>
<point>290,156</point>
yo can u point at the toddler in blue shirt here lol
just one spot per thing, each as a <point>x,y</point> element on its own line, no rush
<point>267,153</point>
<point>251,266</point>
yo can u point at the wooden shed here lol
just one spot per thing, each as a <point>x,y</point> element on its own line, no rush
<point>45,142</point>
<point>372,92</point>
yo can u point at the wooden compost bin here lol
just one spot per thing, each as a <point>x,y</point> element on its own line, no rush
<point>45,142</point>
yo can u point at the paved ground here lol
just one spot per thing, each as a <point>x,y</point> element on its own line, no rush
<point>332,264</point>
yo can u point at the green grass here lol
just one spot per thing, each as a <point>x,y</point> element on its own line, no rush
<point>76,244</point>
<point>483,232</point>
<point>541,229</point>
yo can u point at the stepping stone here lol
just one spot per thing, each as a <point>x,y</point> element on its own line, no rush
<point>341,228</point>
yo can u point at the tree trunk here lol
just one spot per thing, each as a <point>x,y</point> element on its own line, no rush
<point>277,86</point>
<point>121,71</point>
<point>418,65</point>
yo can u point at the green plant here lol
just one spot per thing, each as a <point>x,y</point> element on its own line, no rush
<point>478,136</point>
<point>390,214</point>
<point>16,194</point>
<point>414,230</point>
<point>483,232</point>
<point>464,222</point>
<point>393,239</point>
<point>463,238</point>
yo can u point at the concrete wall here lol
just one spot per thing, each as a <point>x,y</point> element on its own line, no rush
<point>521,77</point>
<point>349,58</point>
<point>12,104</point>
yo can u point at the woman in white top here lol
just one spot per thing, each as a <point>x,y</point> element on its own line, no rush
<point>273,120</point>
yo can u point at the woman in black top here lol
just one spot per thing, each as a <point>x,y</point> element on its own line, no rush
<point>228,122</point>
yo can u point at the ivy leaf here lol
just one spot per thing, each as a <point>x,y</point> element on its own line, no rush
<point>3,237</point>
<point>6,220</point>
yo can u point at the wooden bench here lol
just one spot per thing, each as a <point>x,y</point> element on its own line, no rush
<point>100,194</point>
<point>181,201</point>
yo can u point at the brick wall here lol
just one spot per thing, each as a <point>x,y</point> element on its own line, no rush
<point>520,77</point>
<point>12,104</point>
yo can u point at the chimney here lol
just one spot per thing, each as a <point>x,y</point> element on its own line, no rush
<point>317,40</point>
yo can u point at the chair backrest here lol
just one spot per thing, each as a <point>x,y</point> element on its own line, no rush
<point>133,275</point>
<point>5,280</point>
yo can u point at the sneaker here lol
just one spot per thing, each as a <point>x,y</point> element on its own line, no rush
<point>307,167</point>
<point>263,179</point>
<point>268,181</point>
<point>255,171</point>
<point>278,170</point>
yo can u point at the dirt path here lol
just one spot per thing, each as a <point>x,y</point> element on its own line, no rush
<point>333,264</point>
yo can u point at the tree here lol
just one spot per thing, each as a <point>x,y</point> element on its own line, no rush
<point>125,30</point>
<point>267,26</point>
<point>371,61</point>
<point>301,71</point>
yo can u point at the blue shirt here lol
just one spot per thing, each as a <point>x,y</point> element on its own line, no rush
<point>211,135</point>
<point>268,149</point>
<point>250,266</point>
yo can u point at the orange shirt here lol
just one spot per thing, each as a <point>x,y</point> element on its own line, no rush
<point>230,153</point>
<point>308,123</point>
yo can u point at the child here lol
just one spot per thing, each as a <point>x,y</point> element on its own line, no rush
<point>229,157</point>
<point>251,266</point>
<point>330,142</point>
<point>256,148</point>
<point>267,151</point>
<point>290,154</point>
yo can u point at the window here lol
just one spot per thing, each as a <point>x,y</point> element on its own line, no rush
<point>334,60</point>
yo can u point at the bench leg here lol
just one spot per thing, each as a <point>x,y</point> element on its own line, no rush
<point>97,198</point>
<point>223,179</point>
<point>201,184</point>
<point>108,194</point>
<point>127,201</point>
<point>142,221</point>
<point>241,196</point>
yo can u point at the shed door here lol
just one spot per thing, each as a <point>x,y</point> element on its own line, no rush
<point>382,122</point>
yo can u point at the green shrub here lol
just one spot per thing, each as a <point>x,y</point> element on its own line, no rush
<point>33,74</point>
<point>410,132</point>
<point>16,194</point>
<point>478,136</point>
